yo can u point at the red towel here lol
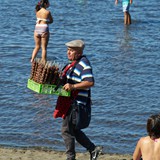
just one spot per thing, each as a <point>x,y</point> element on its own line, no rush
<point>64,103</point>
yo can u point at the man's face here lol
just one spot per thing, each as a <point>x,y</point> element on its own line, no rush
<point>73,53</point>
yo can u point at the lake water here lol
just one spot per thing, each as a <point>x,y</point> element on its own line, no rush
<point>126,65</point>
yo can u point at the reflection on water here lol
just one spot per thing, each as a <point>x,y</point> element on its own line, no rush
<point>126,44</point>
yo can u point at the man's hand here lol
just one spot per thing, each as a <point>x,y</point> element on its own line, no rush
<point>68,87</point>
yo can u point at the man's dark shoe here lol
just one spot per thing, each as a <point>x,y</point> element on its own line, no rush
<point>95,153</point>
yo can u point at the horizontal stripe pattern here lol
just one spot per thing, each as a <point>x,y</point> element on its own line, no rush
<point>81,72</point>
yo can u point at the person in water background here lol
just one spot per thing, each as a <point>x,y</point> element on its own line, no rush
<point>148,148</point>
<point>126,6</point>
<point>41,32</point>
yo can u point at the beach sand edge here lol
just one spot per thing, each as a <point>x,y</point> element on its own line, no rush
<point>42,154</point>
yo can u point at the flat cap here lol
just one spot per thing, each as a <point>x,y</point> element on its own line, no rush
<point>76,43</point>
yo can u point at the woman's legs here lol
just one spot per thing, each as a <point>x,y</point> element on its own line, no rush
<point>40,41</point>
<point>37,40</point>
<point>44,43</point>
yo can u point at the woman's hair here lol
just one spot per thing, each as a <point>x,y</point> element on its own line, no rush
<point>153,126</point>
<point>41,4</point>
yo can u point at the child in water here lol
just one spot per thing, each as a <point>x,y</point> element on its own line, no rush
<point>126,6</point>
<point>41,32</point>
<point>148,148</point>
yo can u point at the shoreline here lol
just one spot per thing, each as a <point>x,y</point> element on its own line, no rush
<point>7,153</point>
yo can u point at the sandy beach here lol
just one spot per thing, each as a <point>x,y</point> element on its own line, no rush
<point>37,154</point>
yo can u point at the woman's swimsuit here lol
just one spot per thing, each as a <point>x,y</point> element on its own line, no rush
<point>41,29</point>
<point>42,19</point>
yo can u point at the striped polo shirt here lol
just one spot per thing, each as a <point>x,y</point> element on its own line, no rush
<point>81,72</point>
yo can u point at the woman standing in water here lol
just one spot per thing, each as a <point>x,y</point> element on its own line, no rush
<point>41,32</point>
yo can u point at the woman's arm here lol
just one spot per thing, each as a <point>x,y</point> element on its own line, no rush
<point>50,18</point>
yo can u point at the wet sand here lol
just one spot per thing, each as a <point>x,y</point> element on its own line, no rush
<point>39,154</point>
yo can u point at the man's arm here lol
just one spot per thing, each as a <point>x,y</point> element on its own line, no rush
<point>81,85</point>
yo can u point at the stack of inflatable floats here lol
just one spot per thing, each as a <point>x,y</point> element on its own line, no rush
<point>44,78</point>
